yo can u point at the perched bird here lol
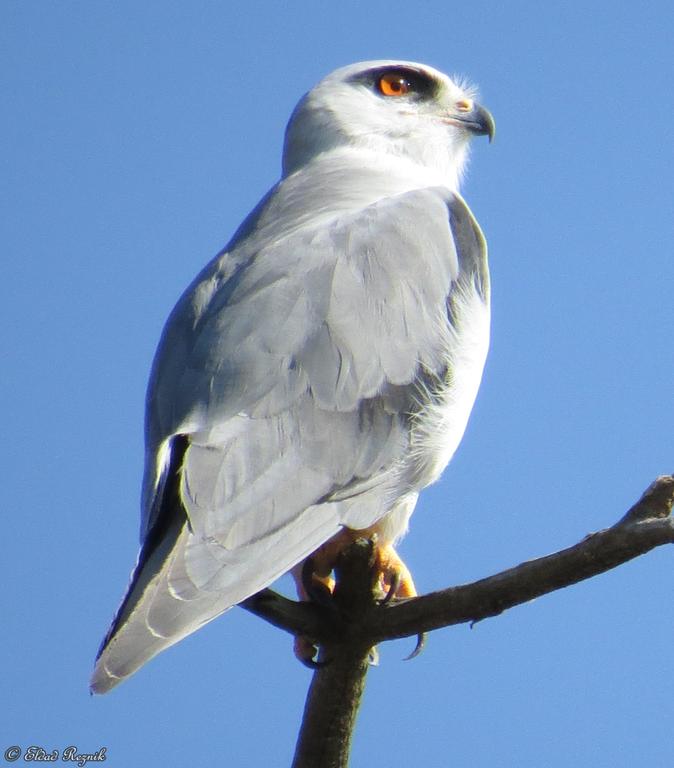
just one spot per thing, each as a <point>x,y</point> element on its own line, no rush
<point>320,371</point>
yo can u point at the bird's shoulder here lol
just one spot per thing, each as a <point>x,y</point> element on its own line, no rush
<point>290,297</point>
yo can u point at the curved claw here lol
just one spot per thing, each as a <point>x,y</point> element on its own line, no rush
<point>419,647</point>
<point>392,589</point>
<point>315,590</point>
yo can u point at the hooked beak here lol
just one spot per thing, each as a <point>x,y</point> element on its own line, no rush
<point>473,118</point>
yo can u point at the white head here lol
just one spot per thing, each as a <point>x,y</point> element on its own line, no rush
<point>402,109</point>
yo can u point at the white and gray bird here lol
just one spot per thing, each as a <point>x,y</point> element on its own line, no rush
<point>320,371</point>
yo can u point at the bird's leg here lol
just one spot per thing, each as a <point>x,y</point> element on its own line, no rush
<point>395,579</point>
<point>314,579</point>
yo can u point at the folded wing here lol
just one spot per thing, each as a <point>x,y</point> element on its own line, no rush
<point>281,405</point>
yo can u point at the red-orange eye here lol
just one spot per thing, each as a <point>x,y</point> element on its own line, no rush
<point>392,84</point>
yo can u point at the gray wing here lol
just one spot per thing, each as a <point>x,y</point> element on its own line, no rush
<point>280,404</point>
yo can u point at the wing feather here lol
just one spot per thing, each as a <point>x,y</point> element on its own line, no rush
<point>292,370</point>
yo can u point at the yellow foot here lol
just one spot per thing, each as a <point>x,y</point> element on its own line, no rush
<point>315,573</point>
<point>314,579</point>
<point>395,579</point>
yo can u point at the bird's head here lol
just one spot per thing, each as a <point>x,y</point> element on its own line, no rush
<point>401,109</point>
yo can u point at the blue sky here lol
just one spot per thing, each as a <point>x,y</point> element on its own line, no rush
<point>136,136</point>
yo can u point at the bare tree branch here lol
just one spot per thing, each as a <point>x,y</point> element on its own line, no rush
<point>300,619</point>
<point>338,684</point>
<point>330,710</point>
<point>355,622</point>
<point>646,525</point>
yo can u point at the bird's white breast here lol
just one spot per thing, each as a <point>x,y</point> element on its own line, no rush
<point>440,423</point>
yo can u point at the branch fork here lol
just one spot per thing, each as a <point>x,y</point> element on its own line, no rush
<point>358,621</point>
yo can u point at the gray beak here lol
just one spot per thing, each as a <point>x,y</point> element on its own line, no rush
<point>479,121</point>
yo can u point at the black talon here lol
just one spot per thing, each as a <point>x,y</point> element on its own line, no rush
<point>393,588</point>
<point>419,647</point>
<point>315,590</point>
<point>307,575</point>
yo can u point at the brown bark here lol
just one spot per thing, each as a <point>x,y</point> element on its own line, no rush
<point>348,628</point>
